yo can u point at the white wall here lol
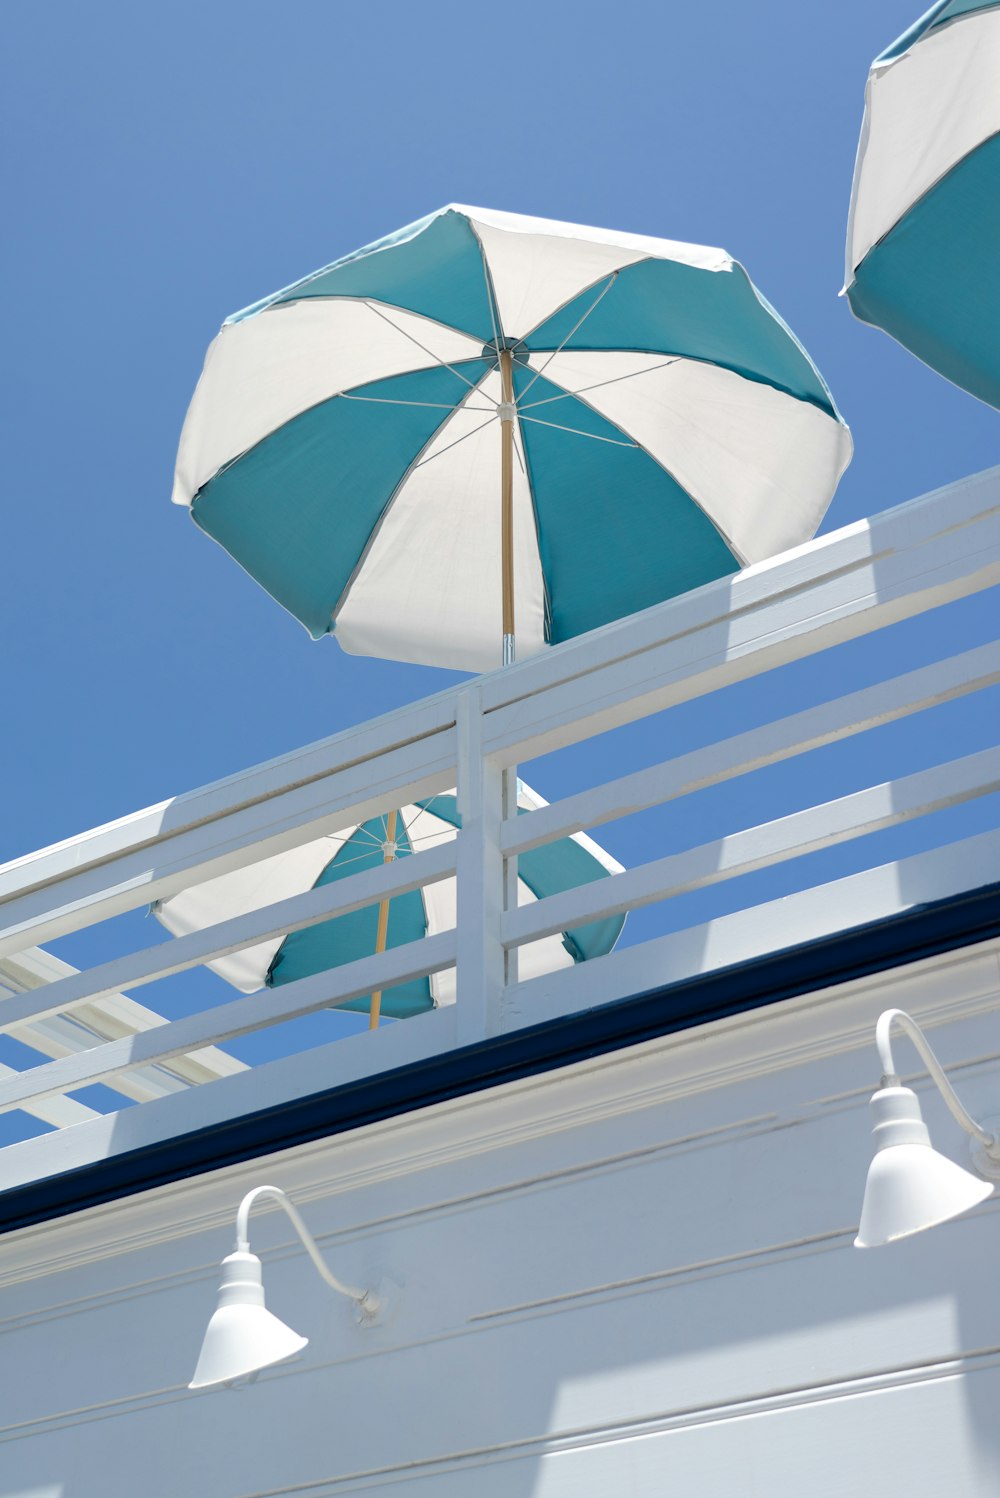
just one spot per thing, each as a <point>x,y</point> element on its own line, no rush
<point>633,1277</point>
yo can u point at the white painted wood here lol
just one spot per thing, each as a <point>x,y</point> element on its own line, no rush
<point>915,557</point>
<point>312,765</point>
<point>808,915</point>
<point>90,1024</point>
<point>50,895</point>
<point>953,995</point>
<point>480,968</point>
<point>631,1276</point>
<point>906,527</point>
<point>716,945</point>
<point>250,1012</point>
<point>349,1059</point>
<point>355,892</point>
<point>106,1018</point>
<point>60,1112</point>
<point>508,866</point>
<point>835,589</point>
<point>926,553</point>
<point>827,723</point>
<point>822,826</point>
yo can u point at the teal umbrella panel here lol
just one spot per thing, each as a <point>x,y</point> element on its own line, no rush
<point>924,229</point>
<point>550,869</point>
<point>344,441</point>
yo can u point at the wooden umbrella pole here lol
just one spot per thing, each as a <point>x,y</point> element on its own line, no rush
<point>507,413</point>
<point>388,854</point>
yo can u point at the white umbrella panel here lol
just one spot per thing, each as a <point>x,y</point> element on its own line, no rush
<point>555,866</point>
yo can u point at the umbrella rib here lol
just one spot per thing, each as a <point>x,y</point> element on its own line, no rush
<point>576,295</point>
<point>421,811</point>
<point>386,400</point>
<point>407,825</point>
<point>641,447</point>
<point>465,435</point>
<point>343,863</point>
<point>575,432</point>
<point>429,352</point>
<point>360,833</point>
<point>577,326</point>
<point>495,319</point>
<point>366,857</point>
<point>410,469</point>
<point>490,296</point>
<point>599,385</point>
<point>363,301</point>
<point>517,451</point>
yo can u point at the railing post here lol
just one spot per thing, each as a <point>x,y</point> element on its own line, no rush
<point>509,801</point>
<point>480,956</point>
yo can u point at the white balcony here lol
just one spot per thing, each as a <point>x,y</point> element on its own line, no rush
<point>194,1105</point>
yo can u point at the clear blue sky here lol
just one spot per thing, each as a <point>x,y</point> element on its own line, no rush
<point>167,164</point>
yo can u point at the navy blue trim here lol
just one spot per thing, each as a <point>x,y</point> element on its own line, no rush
<point>941,926</point>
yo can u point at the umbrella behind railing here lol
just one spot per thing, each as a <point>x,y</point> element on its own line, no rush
<point>557,866</point>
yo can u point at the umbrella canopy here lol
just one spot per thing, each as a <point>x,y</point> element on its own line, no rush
<point>923,236</point>
<point>542,871</point>
<point>487,417</point>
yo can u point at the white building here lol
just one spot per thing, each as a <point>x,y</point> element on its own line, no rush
<point>615,1207</point>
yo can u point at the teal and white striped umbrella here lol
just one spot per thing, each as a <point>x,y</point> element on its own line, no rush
<point>648,420</point>
<point>557,866</point>
<point>923,236</point>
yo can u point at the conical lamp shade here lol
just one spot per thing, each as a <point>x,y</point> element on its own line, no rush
<point>910,1186</point>
<point>242,1335</point>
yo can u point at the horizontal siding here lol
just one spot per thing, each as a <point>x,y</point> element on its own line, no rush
<point>633,1276</point>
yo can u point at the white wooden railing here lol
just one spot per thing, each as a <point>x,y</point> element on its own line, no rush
<point>107,1018</point>
<point>926,553</point>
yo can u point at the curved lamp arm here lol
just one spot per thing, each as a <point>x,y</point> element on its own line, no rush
<point>366,1300</point>
<point>889,1017</point>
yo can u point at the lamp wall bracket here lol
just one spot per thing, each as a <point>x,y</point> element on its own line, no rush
<point>986,1157</point>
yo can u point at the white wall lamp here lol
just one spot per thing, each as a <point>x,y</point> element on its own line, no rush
<point>242,1337</point>
<point>910,1186</point>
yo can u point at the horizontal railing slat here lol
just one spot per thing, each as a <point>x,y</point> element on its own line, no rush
<point>362,744</point>
<point>295,914</point>
<point>274,1005</point>
<point>69,900</point>
<point>872,707</point>
<point>845,597</point>
<point>350,1059</point>
<point>818,911</point>
<point>906,526</point>
<point>60,1112</point>
<point>856,815</point>
<point>842,585</point>
<point>899,564</point>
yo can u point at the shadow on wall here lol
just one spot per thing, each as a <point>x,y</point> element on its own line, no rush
<point>672,1313</point>
<point>52,1490</point>
<point>557,1379</point>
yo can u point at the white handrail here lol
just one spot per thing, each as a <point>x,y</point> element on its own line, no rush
<point>822,826</point>
<point>785,738</point>
<point>837,588</point>
<point>73,885</point>
<point>355,892</point>
<point>273,1006</point>
<point>928,552</point>
<point>932,551</point>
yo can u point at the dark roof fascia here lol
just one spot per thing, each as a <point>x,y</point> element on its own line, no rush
<point>920,932</point>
